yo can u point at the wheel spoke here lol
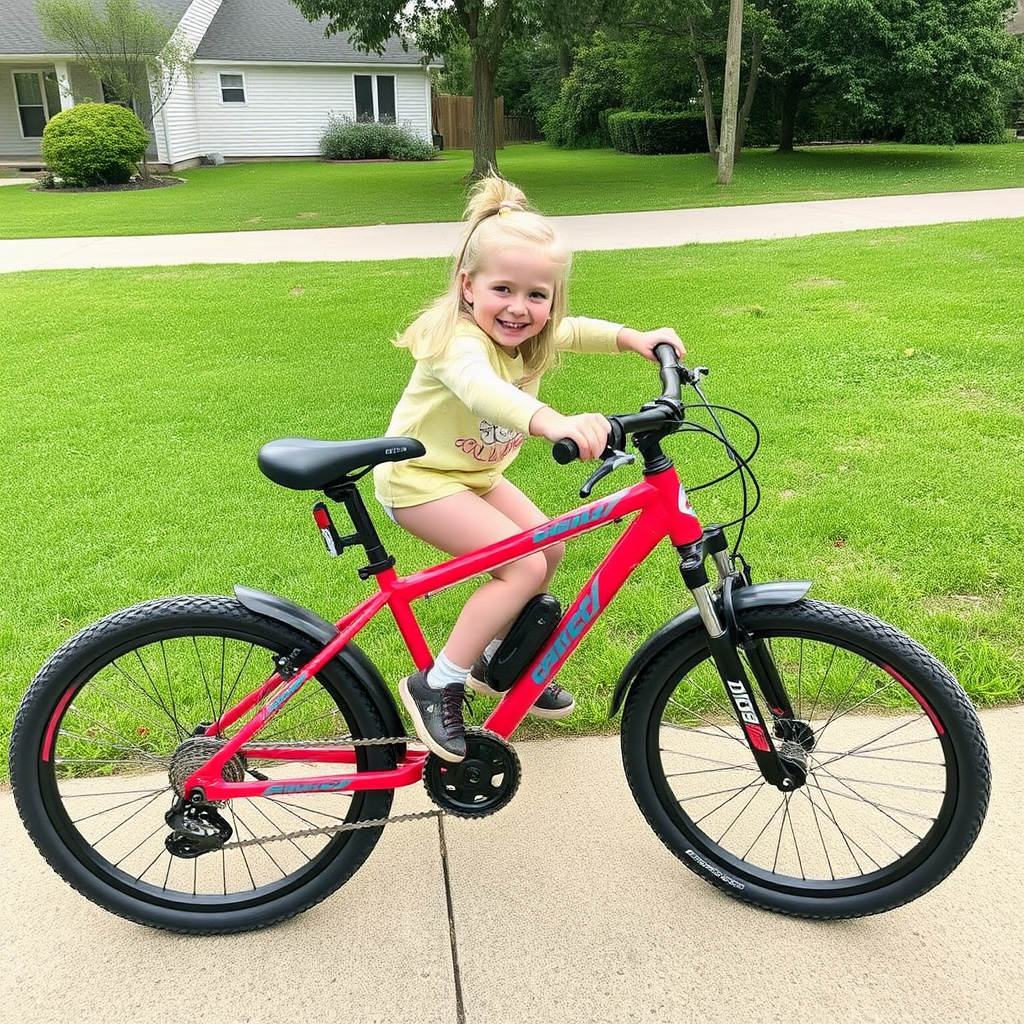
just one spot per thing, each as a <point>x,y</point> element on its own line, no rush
<point>876,783</point>
<point>128,738</point>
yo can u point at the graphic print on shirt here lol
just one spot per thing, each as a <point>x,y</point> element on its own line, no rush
<point>493,444</point>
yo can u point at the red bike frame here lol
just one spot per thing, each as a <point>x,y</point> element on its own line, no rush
<point>664,512</point>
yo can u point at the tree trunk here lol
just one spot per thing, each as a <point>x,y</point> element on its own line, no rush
<point>705,91</point>
<point>748,96</point>
<point>485,159</point>
<point>791,94</point>
<point>730,92</point>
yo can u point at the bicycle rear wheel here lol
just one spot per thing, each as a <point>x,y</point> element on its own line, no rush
<point>897,769</point>
<point>101,735</point>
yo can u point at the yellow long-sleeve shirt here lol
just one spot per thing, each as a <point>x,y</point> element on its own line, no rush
<point>471,408</point>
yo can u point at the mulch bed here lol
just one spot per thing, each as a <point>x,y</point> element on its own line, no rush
<point>135,185</point>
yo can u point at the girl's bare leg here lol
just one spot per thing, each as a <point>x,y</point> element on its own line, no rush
<point>464,522</point>
<point>514,505</point>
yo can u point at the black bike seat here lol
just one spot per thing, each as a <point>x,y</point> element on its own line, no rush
<point>305,464</point>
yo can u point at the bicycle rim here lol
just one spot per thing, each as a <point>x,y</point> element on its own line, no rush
<point>897,774</point>
<point>116,717</point>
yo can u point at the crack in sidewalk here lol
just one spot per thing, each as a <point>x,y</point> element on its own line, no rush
<point>460,1008</point>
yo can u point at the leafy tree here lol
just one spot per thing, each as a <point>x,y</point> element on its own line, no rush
<point>916,70</point>
<point>697,30</point>
<point>528,76</point>
<point>436,24</point>
<point>568,26</point>
<point>594,85</point>
<point>137,55</point>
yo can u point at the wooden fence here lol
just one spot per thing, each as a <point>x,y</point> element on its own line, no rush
<point>453,121</point>
<point>522,129</point>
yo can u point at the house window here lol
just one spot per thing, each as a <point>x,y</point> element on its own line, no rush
<point>232,89</point>
<point>375,98</point>
<point>38,98</point>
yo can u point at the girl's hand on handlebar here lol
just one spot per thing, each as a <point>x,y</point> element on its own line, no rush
<point>589,430</point>
<point>643,342</point>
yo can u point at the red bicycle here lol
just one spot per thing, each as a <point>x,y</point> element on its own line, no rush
<point>216,764</point>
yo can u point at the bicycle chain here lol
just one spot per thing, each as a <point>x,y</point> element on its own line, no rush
<point>348,826</point>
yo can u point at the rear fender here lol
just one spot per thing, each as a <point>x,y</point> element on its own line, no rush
<point>754,596</point>
<point>322,632</point>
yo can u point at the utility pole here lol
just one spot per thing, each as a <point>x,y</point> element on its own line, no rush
<point>730,93</point>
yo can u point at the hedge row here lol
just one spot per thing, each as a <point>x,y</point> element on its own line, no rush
<point>648,133</point>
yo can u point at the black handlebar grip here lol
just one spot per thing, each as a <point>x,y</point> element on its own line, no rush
<point>665,354</point>
<point>669,372</point>
<point>565,451</point>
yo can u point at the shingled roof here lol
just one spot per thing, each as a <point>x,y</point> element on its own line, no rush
<point>241,30</point>
<point>275,30</point>
<point>21,33</point>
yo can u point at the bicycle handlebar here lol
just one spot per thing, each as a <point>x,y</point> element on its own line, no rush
<point>654,414</point>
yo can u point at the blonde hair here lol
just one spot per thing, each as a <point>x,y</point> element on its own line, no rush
<point>497,216</point>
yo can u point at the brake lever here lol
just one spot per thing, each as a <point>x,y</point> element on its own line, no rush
<point>614,461</point>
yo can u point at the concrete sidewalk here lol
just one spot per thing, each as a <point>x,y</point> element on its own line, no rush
<point>565,908</point>
<point>601,231</point>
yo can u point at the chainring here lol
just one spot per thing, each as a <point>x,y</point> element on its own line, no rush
<point>480,784</point>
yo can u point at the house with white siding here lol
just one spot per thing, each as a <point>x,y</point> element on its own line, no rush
<point>264,84</point>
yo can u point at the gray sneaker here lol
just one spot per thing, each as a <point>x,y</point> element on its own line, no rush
<point>554,702</point>
<point>436,714</point>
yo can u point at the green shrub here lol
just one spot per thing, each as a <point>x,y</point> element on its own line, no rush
<point>593,86</point>
<point>553,125</point>
<point>94,144</point>
<point>649,133</point>
<point>404,144</point>
<point>620,131</point>
<point>345,139</point>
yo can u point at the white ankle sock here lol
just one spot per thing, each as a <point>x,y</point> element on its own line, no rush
<point>445,673</point>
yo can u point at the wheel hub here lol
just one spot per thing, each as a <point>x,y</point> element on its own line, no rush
<point>482,783</point>
<point>798,741</point>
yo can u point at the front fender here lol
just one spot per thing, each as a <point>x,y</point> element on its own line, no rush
<point>322,632</point>
<point>787,592</point>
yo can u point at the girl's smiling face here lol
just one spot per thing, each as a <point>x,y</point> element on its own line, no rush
<point>511,295</point>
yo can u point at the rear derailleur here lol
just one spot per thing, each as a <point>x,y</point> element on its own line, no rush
<point>196,828</point>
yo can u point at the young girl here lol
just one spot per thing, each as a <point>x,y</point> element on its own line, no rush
<point>480,352</point>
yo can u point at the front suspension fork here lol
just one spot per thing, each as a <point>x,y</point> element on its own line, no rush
<point>723,636</point>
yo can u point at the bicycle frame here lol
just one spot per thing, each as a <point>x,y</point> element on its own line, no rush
<point>664,511</point>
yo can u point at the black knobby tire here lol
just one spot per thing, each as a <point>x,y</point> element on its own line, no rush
<point>91,757</point>
<point>898,774</point>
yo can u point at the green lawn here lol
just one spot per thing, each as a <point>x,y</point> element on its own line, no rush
<point>885,374</point>
<point>256,196</point>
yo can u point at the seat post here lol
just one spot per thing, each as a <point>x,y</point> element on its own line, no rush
<point>366,533</point>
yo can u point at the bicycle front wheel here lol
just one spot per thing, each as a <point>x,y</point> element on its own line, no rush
<point>897,771</point>
<point>105,733</point>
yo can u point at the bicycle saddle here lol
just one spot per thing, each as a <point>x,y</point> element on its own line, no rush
<point>305,464</point>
